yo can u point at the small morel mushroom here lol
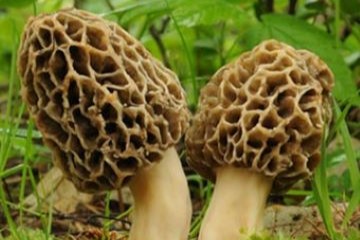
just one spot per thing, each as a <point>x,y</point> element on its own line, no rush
<point>258,127</point>
<point>111,114</point>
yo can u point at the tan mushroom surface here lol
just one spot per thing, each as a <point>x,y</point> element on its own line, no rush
<point>111,113</point>
<point>264,111</point>
<point>259,126</point>
<point>104,105</point>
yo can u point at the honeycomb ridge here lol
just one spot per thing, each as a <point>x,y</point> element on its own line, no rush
<point>266,112</point>
<point>103,104</point>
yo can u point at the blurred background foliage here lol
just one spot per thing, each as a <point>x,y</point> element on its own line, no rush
<point>195,38</point>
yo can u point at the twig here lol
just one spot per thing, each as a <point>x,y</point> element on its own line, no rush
<point>345,32</point>
<point>87,217</point>
<point>120,201</point>
<point>78,4</point>
<point>263,7</point>
<point>110,5</point>
<point>269,6</point>
<point>326,23</point>
<point>221,43</point>
<point>156,34</point>
<point>292,7</point>
<point>7,190</point>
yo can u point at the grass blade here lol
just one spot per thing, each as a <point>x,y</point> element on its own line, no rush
<point>6,139</point>
<point>352,166</point>
<point>191,64</point>
<point>321,192</point>
<point>28,148</point>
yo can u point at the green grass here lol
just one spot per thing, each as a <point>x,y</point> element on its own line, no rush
<point>107,215</point>
<point>10,127</point>
<point>321,192</point>
<point>196,49</point>
<point>25,166</point>
<point>195,90</point>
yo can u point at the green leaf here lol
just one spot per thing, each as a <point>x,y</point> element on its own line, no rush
<point>319,6</point>
<point>15,3</point>
<point>129,11</point>
<point>353,58</point>
<point>302,35</point>
<point>54,5</point>
<point>206,13</point>
<point>243,2</point>
<point>10,23</point>
<point>188,13</point>
<point>350,6</point>
<point>352,166</point>
<point>321,192</point>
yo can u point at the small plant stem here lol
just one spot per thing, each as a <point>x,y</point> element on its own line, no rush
<point>34,8</point>
<point>292,7</point>
<point>337,23</point>
<point>28,147</point>
<point>269,5</point>
<point>189,57</point>
<point>222,43</point>
<point>120,200</point>
<point>352,166</point>
<point>321,192</point>
<point>110,5</point>
<point>107,222</point>
<point>156,34</point>
<point>237,204</point>
<point>49,218</point>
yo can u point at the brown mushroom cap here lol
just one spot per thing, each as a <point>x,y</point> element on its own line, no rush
<point>266,112</point>
<point>103,104</point>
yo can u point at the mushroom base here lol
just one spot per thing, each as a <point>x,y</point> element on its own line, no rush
<point>237,204</point>
<point>162,208</point>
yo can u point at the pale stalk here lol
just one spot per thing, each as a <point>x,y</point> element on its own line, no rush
<point>162,208</point>
<point>237,205</point>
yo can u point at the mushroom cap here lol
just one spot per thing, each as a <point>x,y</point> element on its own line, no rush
<point>103,104</point>
<point>266,112</point>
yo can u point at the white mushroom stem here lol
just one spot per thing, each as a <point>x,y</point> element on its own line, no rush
<point>237,205</point>
<point>162,205</point>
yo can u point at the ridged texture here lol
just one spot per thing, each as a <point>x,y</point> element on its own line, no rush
<point>103,104</point>
<point>266,112</point>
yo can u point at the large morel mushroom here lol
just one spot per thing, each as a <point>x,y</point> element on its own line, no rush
<point>259,127</point>
<point>110,113</point>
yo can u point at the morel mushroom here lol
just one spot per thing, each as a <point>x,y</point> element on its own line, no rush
<point>111,113</point>
<point>259,127</point>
